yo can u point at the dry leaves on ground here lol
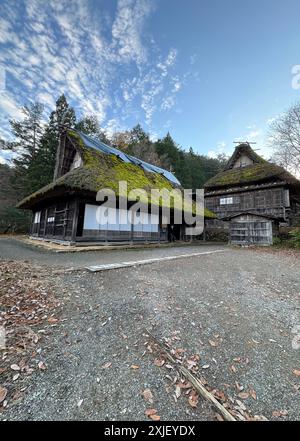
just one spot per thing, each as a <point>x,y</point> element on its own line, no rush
<point>152,414</point>
<point>192,362</point>
<point>27,305</point>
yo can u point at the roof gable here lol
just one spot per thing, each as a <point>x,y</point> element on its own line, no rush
<point>244,150</point>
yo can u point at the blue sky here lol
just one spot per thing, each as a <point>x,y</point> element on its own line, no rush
<point>209,71</point>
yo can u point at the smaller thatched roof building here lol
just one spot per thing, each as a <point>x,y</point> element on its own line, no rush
<point>250,185</point>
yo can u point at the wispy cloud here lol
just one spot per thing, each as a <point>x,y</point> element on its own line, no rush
<point>105,62</point>
<point>221,149</point>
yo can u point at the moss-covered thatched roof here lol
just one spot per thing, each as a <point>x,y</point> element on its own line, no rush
<point>104,171</point>
<point>260,171</point>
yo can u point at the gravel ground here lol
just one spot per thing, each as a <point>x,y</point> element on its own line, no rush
<point>245,302</point>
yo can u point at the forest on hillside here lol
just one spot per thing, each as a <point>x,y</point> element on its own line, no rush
<point>34,144</point>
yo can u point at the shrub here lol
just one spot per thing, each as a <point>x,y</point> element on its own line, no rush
<point>295,234</point>
<point>277,241</point>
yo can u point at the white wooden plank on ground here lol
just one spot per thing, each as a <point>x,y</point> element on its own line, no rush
<point>110,266</point>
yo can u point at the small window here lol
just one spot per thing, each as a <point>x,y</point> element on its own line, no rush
<point>226,201</point>
<point>50,219</point>
<point>37,217</point>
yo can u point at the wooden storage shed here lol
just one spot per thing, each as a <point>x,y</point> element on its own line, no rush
<point>251,229</point>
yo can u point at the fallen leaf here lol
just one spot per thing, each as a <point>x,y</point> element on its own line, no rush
<point>220,395</point>
<point>52,320</point>
<point>185,385</point>
<point>193,399</point>
<point>79,403</point>
<point>106,365</point>
<point>233,369</point>
<point>159,362</point>
<point>239,387</point>
<point>177,391</point>
<point>279,413</point>
<point>149,412</point>
<point>252,393</point>
<point>134,366</point>
<point>15,367</point>
<point>243,395</point>
<point>169,366</point>
<point>212,343</point>
<point>296,372</point>
<point>219,417</point>
<point>3,393</point>
<point>205,366</point>
<point>147,394</point>
<point>178,352</point>
<point>42,366</point>
<point>15,377</point>
<point>155,417</point>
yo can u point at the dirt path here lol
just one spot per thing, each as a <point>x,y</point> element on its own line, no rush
<point>236,310</point>
<point>14,249</point>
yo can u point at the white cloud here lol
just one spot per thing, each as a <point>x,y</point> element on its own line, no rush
<point>221,148</point>
<point>104,64</point>
<point>251,136</point>
<point>10,106</point>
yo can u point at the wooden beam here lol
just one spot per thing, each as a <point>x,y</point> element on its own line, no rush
<point>75,220</point>
<point>193,380</point>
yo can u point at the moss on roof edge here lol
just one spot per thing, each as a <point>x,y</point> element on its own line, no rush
<point>250,174</point>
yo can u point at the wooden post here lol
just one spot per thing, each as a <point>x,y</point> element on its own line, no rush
<point>75,220</point>
<point>65,221</point>
<point>45,224</point>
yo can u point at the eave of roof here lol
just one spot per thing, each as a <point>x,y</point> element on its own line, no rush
<point>251,213</point>
<point>251,174</point>
<point>244,188</point>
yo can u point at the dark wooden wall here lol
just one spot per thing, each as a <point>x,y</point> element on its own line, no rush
<point>56,220</point>
<point>271,201</point>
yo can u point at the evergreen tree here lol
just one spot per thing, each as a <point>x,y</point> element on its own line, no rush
<point>169,153</point>
<point>62,116</point>
<point>90,126</point>
<point>28,133</point>
<point>138,135</point>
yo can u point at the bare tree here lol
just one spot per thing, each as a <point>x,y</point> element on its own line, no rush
<point>285,139</point>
